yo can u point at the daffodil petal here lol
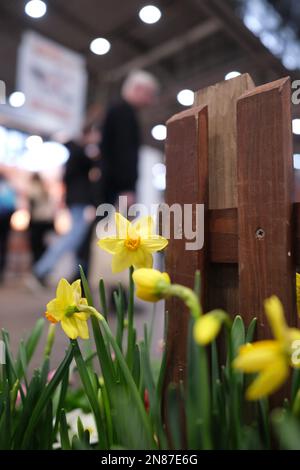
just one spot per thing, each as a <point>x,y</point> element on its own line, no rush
<point>141,258</point>
<point>64,293</point>
<point>155,243</point>
<point>144,226</point>
<point>269,380</point>
<point>70,327</point>
<point>82,328</point>
<point>111,244</point>
<point>76,289</point>
<point>55,309</point>
<point>122,226</point>
<point>206,329</point>
<point>275,315</point>
<point>257,356</point>
<point>122,260</point>
<point>81,316</point>
<point>145,294</point>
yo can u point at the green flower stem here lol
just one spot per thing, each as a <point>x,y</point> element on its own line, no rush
<point>50,340</point>
<point>188,297</point>
<point>131,334</point>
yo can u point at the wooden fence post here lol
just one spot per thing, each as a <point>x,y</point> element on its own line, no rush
<point>265,201</point>
<point>250,251</point>
<point>186,151</point>
<point>187,183</point>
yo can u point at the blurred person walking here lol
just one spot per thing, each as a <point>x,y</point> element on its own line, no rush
<point>78,199</point>
<point>41,216</point>
<point>121,137</point>
<point>7,207</point>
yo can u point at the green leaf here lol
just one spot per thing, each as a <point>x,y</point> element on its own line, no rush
<point>237,335</point>
<point>46,396</point>
<point>251,330</point>
<point>287,429</point>
<point>31,345</point>
<point>64,432</point>
<point>91,393</point>
<point>103,301</point>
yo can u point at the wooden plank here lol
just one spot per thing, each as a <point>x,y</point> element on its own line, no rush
<point>223,236</point>
<point>265,195</point>
<point>221,101</point>
<point>187,183</point>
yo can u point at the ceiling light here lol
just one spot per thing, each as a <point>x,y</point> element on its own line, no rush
<point>297,161</point>
<point>150,14</point>
<point>33,141</point>
<point>186,97</point>
<point>35,8</point>
<point>230,75</point>
<point>159,132</point>
<point>100,46</point>
<point>17,99</point>
<point>296,126</point>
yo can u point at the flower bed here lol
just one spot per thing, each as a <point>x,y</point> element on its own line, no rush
<point>225,397</point>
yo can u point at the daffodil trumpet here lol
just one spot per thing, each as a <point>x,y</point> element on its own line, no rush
<point>133,244</point>
<point>71,310</point>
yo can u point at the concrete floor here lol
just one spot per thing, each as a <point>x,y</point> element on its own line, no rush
<point>20,308</point>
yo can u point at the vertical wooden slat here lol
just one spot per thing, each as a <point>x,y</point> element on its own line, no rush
<point>187,183</point>
<point>221,101</point>
<point>265,196</point>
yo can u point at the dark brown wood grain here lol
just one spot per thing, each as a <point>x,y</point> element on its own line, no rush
<point>187,183</point>
<point>265,196</point>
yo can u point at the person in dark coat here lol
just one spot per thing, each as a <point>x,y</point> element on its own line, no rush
<point>121,137</point>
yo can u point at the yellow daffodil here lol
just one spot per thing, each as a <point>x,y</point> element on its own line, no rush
<point>151,285</point>
<point>271,359</point>
<point>133,244</point>
<point>207,326</point>
<point>67,307</point>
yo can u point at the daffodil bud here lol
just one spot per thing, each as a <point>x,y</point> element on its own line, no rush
<point>151,284</point>
<point>207,327</point>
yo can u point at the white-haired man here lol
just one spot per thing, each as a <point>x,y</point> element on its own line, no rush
<point>121,137</point>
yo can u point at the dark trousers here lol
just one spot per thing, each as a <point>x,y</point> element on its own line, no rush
<point>37,233</point>
<point>4,233</point>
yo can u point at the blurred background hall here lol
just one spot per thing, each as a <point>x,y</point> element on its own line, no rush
<point>85,90</point>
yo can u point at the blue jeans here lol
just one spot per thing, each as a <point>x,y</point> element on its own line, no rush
<point>70,242</point>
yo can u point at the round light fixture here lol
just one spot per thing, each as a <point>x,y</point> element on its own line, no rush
<point>296,126</point>
<point>159,132</point>
<point>100,46</point>
<point>33,141</point>
<point>186,97</point>
<point>230,75</point>
<point>17,99</point>
<point>35,8</point>
<point>150,14</point>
